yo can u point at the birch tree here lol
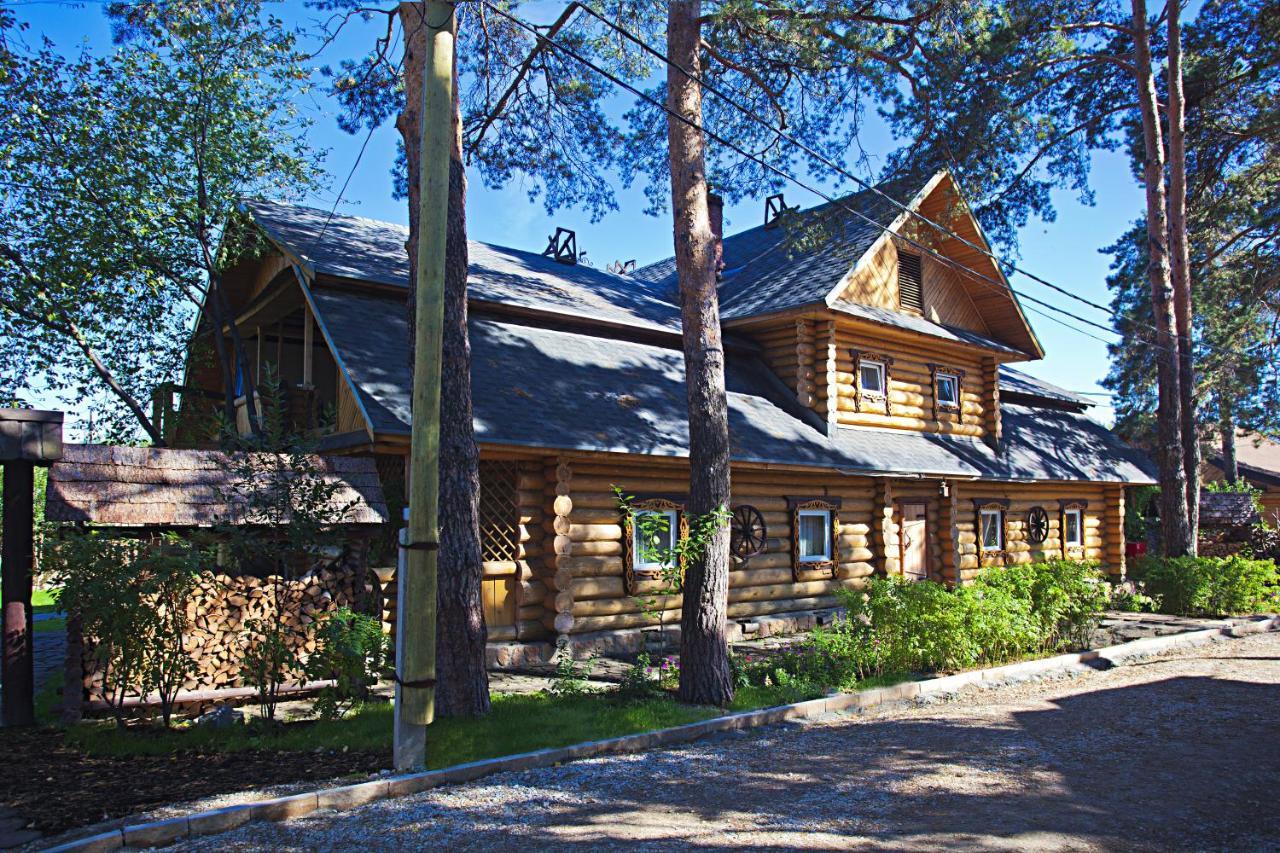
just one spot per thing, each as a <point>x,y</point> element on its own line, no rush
<point>118,205</point>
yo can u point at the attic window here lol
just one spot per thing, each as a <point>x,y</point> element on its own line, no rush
<point>910,290</point>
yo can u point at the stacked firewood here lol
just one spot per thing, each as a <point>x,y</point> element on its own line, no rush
<point>223,608</point>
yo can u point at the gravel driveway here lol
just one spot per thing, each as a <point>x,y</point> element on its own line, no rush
<point>1179,752</point>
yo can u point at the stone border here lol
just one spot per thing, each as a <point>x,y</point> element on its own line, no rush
<point>160,833</point>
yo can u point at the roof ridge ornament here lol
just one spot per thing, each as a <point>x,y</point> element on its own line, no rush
<point>774,206</point>
<point>562,246</point>
<point>622,267</point>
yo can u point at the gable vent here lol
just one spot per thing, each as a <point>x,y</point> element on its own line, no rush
<point>910,290</point>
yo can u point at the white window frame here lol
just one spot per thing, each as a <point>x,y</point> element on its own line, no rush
<point>998,514</point>
<point>638,561</point>
<point>1078,541</point>
<point>880,370</point>
<point>955,383</point>
<point>825,515</point>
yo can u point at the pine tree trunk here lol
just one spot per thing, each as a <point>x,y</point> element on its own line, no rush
<point>1180,271</point>
<point>1227,426</point>
<point>462,683</point>
<point>1174,525</point>
<point>705,676</point>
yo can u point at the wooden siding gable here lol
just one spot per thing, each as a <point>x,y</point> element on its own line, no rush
<point>950,297</point>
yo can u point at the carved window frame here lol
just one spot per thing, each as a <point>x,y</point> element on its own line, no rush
<point>633,574</point>
<point>936,371</point>
<point>872,401</point>
<point>981,506</point>
<point>1077,551</point>
<point>830,505</point>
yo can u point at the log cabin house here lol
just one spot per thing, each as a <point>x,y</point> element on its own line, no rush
<point>875,424</point>
<point>1258,464</point>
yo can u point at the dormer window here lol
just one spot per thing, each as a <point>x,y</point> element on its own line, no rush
<point>871,377</point>
<point>910,282</point>
<point>948,390</point>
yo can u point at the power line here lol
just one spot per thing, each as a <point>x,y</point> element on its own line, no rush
<point>840,170</point>
<point>359,156</point>
<point>999,287</point>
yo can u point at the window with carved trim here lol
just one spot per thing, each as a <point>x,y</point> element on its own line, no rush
<point>1073,528</point>
<point>992,529</point>
<point>815,526</point>
<point>948,390</point>
<point>652,542</point>
<point>645,546</point>
<point>872,376</point>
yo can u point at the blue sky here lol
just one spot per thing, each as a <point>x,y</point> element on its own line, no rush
<point>1066,252</point>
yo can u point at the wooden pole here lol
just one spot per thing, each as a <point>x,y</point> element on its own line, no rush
<point>18,674</point>
<point>416,632</point>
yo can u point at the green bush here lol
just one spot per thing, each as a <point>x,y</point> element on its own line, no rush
<point>1212,586</point>
<point>1066,598</point>
<point>896,626</point>
<point>350,649</point>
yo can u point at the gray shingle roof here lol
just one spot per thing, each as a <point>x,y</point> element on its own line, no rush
<point>547,388</point>
<point>773,269</point>
<point>1017,382</point>
<point>360,249</point>
<point>915,323</point>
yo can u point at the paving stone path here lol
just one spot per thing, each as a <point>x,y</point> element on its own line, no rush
<point>1180,752</point>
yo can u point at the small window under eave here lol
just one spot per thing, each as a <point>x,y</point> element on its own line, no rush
<point>910,286</point>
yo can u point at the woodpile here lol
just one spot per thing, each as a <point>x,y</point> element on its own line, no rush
<point>220,613</point>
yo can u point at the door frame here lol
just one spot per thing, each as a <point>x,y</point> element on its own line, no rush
<point>928,533</point>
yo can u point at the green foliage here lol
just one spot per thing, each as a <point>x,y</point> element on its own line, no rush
<point>896,626</point>
<point>570,676</point>
<point>122,176</point>
<point>352,650</point>
<point>651,529</point>
<point>269,658</point>
<point>1132,601</point>
<point>131,601</point>
<point>1211,586</point>
<point>1065,597</point>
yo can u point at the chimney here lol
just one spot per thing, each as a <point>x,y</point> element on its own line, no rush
<point>715,209</point>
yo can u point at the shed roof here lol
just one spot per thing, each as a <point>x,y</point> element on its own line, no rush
<point>160,487</point>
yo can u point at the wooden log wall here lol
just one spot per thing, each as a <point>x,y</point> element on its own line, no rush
<point>911,391</point>
<point>590,592</point>
<point>791,349</point>
<point>1103,525</point>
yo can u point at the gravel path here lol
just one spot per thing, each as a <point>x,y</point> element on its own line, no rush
<point>1178,752</point>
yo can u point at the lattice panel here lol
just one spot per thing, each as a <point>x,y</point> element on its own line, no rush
<point>499,519</point>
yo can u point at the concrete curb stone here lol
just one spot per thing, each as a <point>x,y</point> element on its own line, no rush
<point>160,833</point>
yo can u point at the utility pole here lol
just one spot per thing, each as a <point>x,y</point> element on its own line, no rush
<point>416,627</point>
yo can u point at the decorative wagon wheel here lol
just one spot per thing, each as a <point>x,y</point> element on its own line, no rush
<point>1037,524</point>
<point>747,532</point>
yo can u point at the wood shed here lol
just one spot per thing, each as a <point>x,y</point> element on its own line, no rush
<point>143,492</point>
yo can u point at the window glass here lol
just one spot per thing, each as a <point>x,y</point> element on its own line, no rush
<point>1073,532</point>
<point>650,548</point>
<point>948,389</point>
<point>871,376</point>
<point>992,530</point>
<point>815,535</point>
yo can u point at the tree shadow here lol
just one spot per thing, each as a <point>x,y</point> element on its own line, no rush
<point>1183,763</point>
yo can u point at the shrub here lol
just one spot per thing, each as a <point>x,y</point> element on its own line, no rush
<point>350,649</point>
<point>1215,586</point>
<point>1066,598</point>
<point>895,626</point>
<point>130,598</point>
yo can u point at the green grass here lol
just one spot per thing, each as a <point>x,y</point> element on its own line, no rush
<point>518,723</point>
<point>42,601</point>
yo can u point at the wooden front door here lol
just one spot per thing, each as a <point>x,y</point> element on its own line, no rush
<point>915,541</point>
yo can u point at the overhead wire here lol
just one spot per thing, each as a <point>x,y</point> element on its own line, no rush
<point>998,286</point>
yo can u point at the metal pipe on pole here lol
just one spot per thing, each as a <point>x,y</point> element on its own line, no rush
<point>416,630</point>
